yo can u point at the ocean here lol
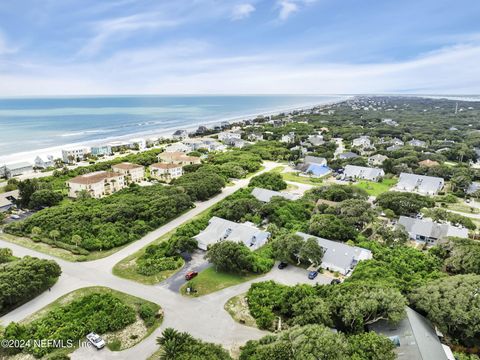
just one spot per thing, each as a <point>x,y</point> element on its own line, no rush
<point>28,125</point>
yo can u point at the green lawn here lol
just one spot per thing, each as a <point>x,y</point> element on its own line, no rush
<point>293,176</point>
<point>127,268</point>
<point>210,280</point>
<point>376,188</point>
<point>464,208</point>
<point>128,337</point>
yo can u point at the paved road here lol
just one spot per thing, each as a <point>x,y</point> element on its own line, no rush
<point>203,317</point>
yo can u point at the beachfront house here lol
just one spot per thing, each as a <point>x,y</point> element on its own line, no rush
<point>41,163</point>
<point>70,156</point>
<point>97,184</point>
<point>414,338</point>
<point>219,229</point>
<point>133,173</point>
<point>265,195</point>
<point>178,147</point>
<point>227,135</point>
<point>101,150</point>
<point>353,172</point>
<point>376,160</point>
<point>424,185</point>
<point>339,256</point>
<point>430,232</point>
<point>180,135</point>
<point>178,158</point>
<point>11,170</point>
<point>166,171</point>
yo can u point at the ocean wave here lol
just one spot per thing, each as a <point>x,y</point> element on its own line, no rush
<point>85,132</point>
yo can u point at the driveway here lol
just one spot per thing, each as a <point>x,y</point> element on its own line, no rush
<point>197,263</point>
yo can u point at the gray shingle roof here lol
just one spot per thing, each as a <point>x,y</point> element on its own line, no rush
<point>416,336</point>
<point>266,195</point>
<point>339,256</point>
<point>428,185</point>
<point>431,229</point>
<point>363,172</point>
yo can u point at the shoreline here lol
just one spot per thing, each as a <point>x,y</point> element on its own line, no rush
<point>56,151</point>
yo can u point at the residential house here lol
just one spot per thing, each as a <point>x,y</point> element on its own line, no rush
<point>40,163</point>
<point>265,195</point>
<point>132,172</point>
<point>314,166</point>
<point>255,137</point>
<point>238,143</point>
<point>219,229</point>
<point>8,200</point>
<point>316,140</point>
<point>390,122</point>
<point>288,138</point>
<point>424,185</point>
<point>178,147</point>
<point>180,135</point>
<point>339,256</point>
<point>315,160</point>
<point>417,143</point>
<point>11,170</point>
<point>430,232</point>
<point>348,155</point>
<point>396,141</point>
<point>227,135</point>
<point>300,149</point>
<point>376,160</point>
<point>101,150</point>
<point>97,184</point>
<point>73,155</point>
<point>428,163</point>
<point>414,337</point>
<point>166,171</point>
<point>353,172</point>
<point>362,141</point>
<point>394,147</point>
<point>178,158</point>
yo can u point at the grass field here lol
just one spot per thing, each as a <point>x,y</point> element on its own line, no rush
<point>123,339</point>
<point>374,188</point>
<point>210,280</point>
<point>294,177</point>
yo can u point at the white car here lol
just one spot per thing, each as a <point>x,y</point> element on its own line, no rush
<point>96,340</point>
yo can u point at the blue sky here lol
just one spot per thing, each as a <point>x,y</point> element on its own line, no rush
<point>67,47</point>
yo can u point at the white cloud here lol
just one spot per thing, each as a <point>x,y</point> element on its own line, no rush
<point>123,26</point>
<point>287,8</point>
<point>242,11</point>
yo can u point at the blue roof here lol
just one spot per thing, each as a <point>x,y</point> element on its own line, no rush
<point>318,170</point>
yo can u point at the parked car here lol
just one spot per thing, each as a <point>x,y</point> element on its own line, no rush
<point>312,275</point>
<point>190,275</point>
<point>335,282</point>
<point>96,340</point>
<point>14,216</point>
<point>282,265</point>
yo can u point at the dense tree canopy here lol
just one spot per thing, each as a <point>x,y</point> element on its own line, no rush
<point>336,192</point>
<point>404,203</point>
<point>269,180</point>
<point>331,227</point>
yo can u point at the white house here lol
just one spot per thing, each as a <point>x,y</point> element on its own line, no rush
<point>43,164</point>
<point>72,155</point>
<point>339,256</point>
<point>97,184</point>
<point>424,185</point>
<point>132,172</point>
<point>376,160</point>
<point>101,150</point>
<point>227,135</point>
<point>288,138</point>
<point>354,172</point>
<point>16,169</point>
<point>166,172</point>
<point>362,141</point>
<point>428,231</point>
<point>178,147</point>
<point>219,229</point>
<point>255,137</point>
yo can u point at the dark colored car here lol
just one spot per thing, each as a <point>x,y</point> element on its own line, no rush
<point>190,275</point>
<point>282,265</point>
<point>335,282</point>
<point>312,275</point>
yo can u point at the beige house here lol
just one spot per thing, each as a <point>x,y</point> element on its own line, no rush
<point>97,184</point>
<point>133,172</point>
<point>178,158</point>
<point>165,172</point>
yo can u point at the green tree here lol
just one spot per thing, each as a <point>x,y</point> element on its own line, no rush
<point>311,251</point>
<point>455,297</point>
<point>404,203</point>
<point>76,239</point>
<point>331,227</point>
<point>370,346</point>
<point>230,256</point>
<point>44,198</point>
<point>269,180</point>
<point>312,310</point>
<point>287,247</point>
<point>54,234</point>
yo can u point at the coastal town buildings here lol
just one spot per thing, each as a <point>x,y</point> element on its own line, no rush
<point>10,170</point>
<point>353,172</point>
<point>166,171</point>
<point>96,184</point>
<point>43,163</point>
<point>228,135</point>
<point>70,156</point>
<point>376,160</point>
<point>101,150</point>
<point>430,232</point>
<point>133,173</point>
<point>178,158</point>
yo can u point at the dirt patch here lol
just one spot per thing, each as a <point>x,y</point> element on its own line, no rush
<point>130,335</point>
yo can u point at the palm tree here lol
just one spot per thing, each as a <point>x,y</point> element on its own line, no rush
<point>36,231</point>
<point>54,234</point>
<point>76,239</point>
<point>172,343</point>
